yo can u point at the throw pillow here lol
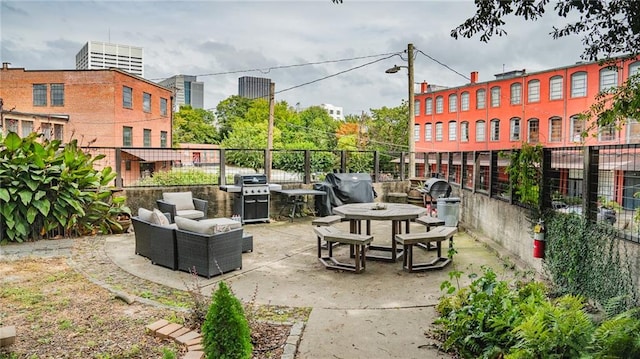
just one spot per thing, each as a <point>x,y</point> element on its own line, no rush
<point>159,218</point>
<point>144,214</point>
<point>191,225</point>
<point>182,200</point>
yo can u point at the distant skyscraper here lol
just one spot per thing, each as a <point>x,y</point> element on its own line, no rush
<point>187,90</point>
<point>254,87</point>
<point>103,55</point>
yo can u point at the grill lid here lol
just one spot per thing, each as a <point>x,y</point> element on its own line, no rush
<point>437,188</point>
<point>249,179</point>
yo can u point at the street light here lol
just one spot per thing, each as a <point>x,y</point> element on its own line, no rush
<point>412,114</point>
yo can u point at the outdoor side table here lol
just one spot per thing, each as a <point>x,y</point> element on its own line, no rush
<point>297,200</point>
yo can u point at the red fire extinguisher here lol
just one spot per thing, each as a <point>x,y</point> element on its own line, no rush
<point>538,239</point>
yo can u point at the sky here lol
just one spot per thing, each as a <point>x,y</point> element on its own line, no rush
<point>316,52</point>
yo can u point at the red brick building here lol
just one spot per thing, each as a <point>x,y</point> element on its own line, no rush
<point>105,108</point>
<point>516,106</point>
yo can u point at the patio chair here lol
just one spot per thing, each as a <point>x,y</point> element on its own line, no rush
<point>182,204</point>
<point>155,237</point>
<point>208,252</point>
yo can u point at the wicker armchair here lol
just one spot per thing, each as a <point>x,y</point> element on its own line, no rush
<point>182,204</point>
<point>209,254</point>
<point>156,242</point>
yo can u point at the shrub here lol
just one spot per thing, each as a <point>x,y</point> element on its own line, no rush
<point>225,332</point>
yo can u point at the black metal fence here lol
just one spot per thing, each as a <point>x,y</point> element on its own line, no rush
<point>603,182</point>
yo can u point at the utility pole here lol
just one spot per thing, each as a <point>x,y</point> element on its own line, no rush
<point>412,116</point>
<point>268,158</point>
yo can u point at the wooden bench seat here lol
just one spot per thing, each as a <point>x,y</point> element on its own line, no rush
<point>429,222</point>
<point>357,247</point>
<point>326,221</point>
<point>437,235</point>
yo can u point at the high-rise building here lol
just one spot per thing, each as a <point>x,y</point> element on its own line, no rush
<point>254,87</point>
<point>103,55</point>
<point>187,90</point>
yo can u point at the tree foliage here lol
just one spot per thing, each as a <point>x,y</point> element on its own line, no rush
<point>388,128</point>
<point>608,28</point>
<point>194,125</point>
<point>230,111</point>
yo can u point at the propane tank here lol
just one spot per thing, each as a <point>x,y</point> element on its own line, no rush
<point>538,239</point>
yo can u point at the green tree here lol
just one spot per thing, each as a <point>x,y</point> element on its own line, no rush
<point>194,125</point>
<point>231,110</point>
<point>315,125</point>
<point>225,331</point>
<point>388,128</point>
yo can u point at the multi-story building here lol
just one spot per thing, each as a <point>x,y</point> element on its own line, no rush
<point>187,90</point>
<point>538,108</point>
<point>254,87</point>
<point>104,55</point>
<point>100,108</point>
<point>334,111</point>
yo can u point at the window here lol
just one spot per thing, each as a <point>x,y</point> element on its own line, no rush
<point>163,106</point>
<point>495,96</point>
<point>12,125</point>
<point>416,107</point>
<point>146,102</point>
<point>464,131</point>
<point>577,127</point>
<point>453,103</point>
<point>514,129</point>
<point>438,131</point>
<point>495,130</point>
<point>516,94</point>
<point>428,135</point>
<point>163,139</point>
<point>147,138</point>
<point>58,132</point>
<point>127,136</point>
<point>480,131</point>
<point>439,104</point>
<point>608,78</point>
<point>579,84</point>
<point>534,130</point>
<point>555,129</point>
<point>481,98</point>
<point>452,130</point>
<point>57,94</point>
<point>428,106</point>
<point>634,68</point>
<point>533,91</point>
<point>607,133</point>
<point>39,95</point>
<point>464,101</point>
<point>416,133</point>
<point>45,129</point>
<point>27,128</point>
<point>555,88</point>
<point>127,97</point>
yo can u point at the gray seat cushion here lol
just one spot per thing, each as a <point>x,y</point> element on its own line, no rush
<point>182,200</point>
<point>190,213</point>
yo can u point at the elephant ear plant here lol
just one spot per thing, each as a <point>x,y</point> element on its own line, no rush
<point>46,188</point>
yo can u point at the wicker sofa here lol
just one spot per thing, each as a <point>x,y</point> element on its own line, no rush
<point>205,250</point>
<point>155,238</point>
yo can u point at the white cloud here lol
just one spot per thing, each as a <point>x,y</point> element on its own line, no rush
<point>212,37</point>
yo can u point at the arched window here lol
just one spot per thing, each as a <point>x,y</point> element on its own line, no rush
<point>453,103</point>
<point>439,104</point>
<point>579,84</point>
<point>516,93</point>
<point>481,99</point>
<point>495,130</point>
<point>438,131</point>
<point>533,130</point>
<point>514,129</point>
<point>428,134</point>
<point>464,131</point>
<point>555,129</point>
<point>634,68</point>
<point>608,78</point>
<point>533,91</point>
<point>452,130</point>
<point>577,127</point>
<point>428,106</point>
<point>480,131</point>
<point>555,88</point>
<point>495,96</point>
<point>464,101</point>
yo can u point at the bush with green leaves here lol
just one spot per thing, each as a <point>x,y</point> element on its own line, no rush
<point>493,319</point>
<point>45,187</point>
<point>180,176</point>
<point>225,331</point>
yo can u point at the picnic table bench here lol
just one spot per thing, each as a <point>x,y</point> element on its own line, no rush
<point>437,235</point>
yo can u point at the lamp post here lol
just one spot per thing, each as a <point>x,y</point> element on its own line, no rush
<point>412,114</point>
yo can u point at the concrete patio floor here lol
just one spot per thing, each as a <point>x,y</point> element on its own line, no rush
<point>380,313</point>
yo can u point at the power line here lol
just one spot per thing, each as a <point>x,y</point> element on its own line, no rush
<point>444,65</point>
<point>268,69</point>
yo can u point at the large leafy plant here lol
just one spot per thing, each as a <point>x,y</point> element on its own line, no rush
<point>46,188</point>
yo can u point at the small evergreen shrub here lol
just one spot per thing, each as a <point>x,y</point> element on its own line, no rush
<point>225,332</point>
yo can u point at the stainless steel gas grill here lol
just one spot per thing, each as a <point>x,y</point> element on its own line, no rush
<point>251,194</point>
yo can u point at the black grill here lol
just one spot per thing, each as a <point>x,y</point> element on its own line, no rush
<point>252,201</point>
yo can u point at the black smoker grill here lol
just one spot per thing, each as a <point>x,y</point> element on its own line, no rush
<point>252,201</point>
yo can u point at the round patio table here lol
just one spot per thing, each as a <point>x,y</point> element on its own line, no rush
<point>394,212</point>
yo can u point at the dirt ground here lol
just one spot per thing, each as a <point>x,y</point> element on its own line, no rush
<point>58,313</point>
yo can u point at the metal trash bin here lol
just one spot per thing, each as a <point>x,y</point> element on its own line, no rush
<point>448,210</point>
